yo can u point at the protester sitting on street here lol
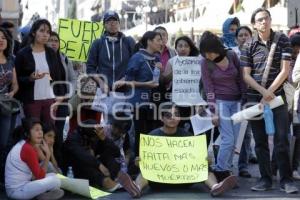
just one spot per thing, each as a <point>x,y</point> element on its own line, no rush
<point>224,88</point>
<point>117,132</point>
<point>24,177</point>
<point>170,118</point>
<point>49,137</point>
<point>92,156</point>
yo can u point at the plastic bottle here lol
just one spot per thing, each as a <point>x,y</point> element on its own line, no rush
<point>269,123</point>
<point>70,173</point>
<point>156,74</point>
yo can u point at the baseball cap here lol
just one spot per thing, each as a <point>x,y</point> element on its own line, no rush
<point>111,14</point>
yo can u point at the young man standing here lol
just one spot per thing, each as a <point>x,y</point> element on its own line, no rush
<point>109,55</point>
<point>253,60</point>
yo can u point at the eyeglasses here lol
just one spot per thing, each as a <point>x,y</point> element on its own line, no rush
<point>260,20</point>
<point>169,115</point>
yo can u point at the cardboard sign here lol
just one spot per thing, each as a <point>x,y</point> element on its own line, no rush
<point>77,36</point>
<point>173,160</point>
<point>186,81</point>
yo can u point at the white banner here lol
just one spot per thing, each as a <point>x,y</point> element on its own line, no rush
<point>186,81</point>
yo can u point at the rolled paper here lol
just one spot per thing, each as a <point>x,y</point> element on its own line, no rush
<point>255,110</point>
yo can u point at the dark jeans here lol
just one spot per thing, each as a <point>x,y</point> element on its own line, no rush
<point>7,125</point>
<point>296,156</point>
<point>281,145</point>
<point>144,122</point>
<point>61,112</point>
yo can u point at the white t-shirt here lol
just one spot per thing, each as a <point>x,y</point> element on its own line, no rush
<point>42,87</point>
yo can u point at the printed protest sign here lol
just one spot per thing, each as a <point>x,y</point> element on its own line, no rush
<point>77,36</point>
<point>173,160</point>
<point>81,187</point>
<point>186,81</point>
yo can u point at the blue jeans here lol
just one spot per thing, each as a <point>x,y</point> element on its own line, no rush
<point>228,133</point>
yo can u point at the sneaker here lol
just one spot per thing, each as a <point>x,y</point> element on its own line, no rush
<point>116,187</point>
<point>262,186</point>
<point>289,188</point>
<point>296,175</point>
<point>227,184</point>
<point>245,174</point>
<point>130,186</point>
<point>51,195</point>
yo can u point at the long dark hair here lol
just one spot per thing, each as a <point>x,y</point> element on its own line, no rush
<point>211,43</point>
<point>36,25</point>
<point>8,51</point>
<point>143,43</point>
<point>194,49</point>
<point>23,131</point>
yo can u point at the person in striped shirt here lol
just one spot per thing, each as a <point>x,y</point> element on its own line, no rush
<point>253,61</point>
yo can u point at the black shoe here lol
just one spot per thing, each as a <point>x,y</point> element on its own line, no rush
<point>289,188</point>
<point>245,174</point>
<point>221,175</point>
<point>253,160</point>
<point>262,186</point>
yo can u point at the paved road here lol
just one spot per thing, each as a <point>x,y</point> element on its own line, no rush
<point>200,191</point>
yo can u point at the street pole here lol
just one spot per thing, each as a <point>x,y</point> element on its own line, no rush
<point>166,11</point>
<point>193,19</point>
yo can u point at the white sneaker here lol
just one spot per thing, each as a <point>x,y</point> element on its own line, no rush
<point>296,175</point>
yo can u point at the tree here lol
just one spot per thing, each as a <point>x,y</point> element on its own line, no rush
<point>72,11</point>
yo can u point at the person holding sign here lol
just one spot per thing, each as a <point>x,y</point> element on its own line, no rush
<point>170,118</point>
<point>224,87</point>
<point>109,55</point>
<point>37,68</point>
<point>92,156</point>
<point>24,177</point>
<point>184,47</point>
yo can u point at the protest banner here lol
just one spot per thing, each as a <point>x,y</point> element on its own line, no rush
<point>186,81</point>
<point>77,36</point>
<point>81,187</point>
<point>173,160</point>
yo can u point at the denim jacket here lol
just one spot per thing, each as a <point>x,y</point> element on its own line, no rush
<point>140,68</point>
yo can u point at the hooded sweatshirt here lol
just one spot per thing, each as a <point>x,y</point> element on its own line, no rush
<point>228,38</point>
<point>109,56</point>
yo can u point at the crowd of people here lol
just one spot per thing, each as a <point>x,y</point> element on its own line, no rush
<point>46,136</point>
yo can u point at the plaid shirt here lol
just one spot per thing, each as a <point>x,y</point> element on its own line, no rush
<point>254,54</point>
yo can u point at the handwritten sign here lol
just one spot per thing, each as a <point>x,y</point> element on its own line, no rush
<point>173,160</point>
<point>186,81</point>
<point>81,187</point>
<point>77,36</point>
